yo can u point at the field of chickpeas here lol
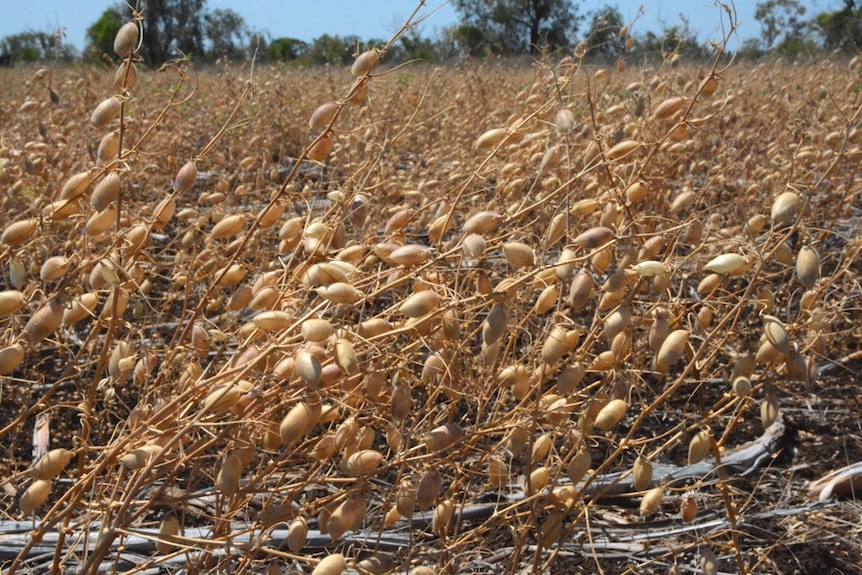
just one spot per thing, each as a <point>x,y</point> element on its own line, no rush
<point>491,317</point>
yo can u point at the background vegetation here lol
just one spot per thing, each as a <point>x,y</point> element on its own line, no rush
<point>486,27</point>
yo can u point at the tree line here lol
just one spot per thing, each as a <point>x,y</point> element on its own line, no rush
<point>175,28</point>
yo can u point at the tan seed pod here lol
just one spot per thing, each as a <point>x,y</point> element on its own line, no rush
<point>442,515</point>
<point>333,564</point>
<point>420,303</point>
<point>769,410</point>
<point>45,320</point>
<point>555,345</point>
<point>109,147</point>
<point>339,293</point>
<point>320,148</point>
<point>227,227</point>
<point>570,378</point>
<point>552,158</point>
<point>744,366</point>
<point>34,496</point>
<point>699,446</point>
<point>163,213</point>
<point>708,561</point>
<point>785,208</point>
<point>345,357</point>
<point>126,76</point>
<point>223,397</point>
<point>708,285</point>
<point>308,368</point>
<point>76,185</point>
<point>428,489</point>
<point>650,268</point>
<point>18,231</point>
<point>400,402</point>
<point>637,192</point>
<point>604,361</point>
<point>105,192</point>
<point>519,254</point>
<point>541,449</point>
<point>348,516</point>
<point>126,39</point>
<point>688,508</point>
<point>481,223</point>
<point>741,386</point>
<point>564,120</point>
<point>299,422</point>
<point>492,138</point>
<point>766,353</point>
<point>363,462</point>
<point>322,116</point>
<point>265,299</point>
<point>11,357</point>
<point>581,290</point>
<point>797,368</point>
<point>297,534</point>
<point>410,255</point>
<point>808,266</point>
<point>316,330</point>
<point>405,500</point>
<point>708,86</point>
<point>578,466</point>
<point>550,530</point>
<point>668,108</point>
<point>273,320</point>
<point>107,110</point>
<point>651,248</point>
<point>169,528</point>
<point>672,349</point>
<point>651,501</point>
<point>623,149</point>
<point>51,464</point>
<point>358,92</point>
<point>611,414</point>
<point>517,440</point>
<point>442,437</point>
<point>54,268</point>
<point>227,480</point>
<point>725,263</point>
<point>641,473</point>
<point>775,333</point>
<point>231,275</point>
<point>11,301</point>
<point>140,457</point>
<point>378,564</point>
<point>547,300</point>
<point>595,238</point>
<point>474,246</point>
<point>364,63</point>
<point>495,325</point>
<point>17,273</point>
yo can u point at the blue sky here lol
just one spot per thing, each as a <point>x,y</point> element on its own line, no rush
<point>308,19</point>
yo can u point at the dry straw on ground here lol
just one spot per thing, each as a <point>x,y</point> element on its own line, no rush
<point>448,320</point>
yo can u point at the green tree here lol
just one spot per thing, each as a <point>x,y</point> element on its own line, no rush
<point>780,17</point>
<point>328,49</point>
<point>841,29</point>
<point>227,33</point>
<point>36,47</point>
<point>603,35</point>
<point>100,35</point>
<point>173,24</point>
<point>517,26</point>
<point>286,49</point>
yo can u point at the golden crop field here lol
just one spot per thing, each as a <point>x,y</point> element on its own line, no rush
<point>491,317</point>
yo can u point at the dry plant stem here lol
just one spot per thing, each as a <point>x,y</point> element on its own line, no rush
<point>647,410</point>
<point>728,507</point>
